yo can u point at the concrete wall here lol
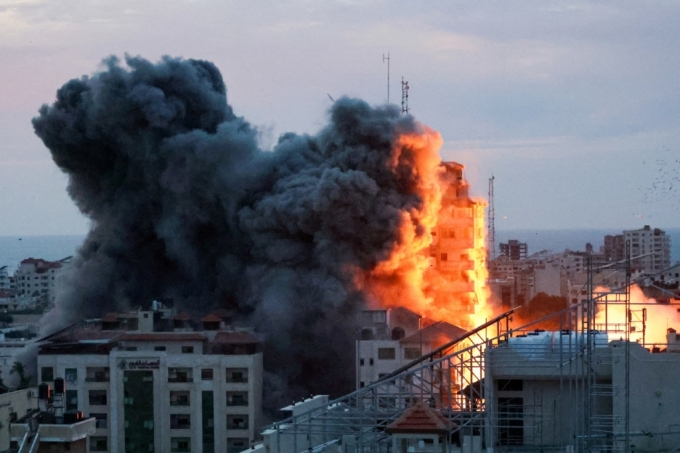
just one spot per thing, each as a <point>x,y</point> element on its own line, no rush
<point>654,397</point>
<point>20,403</point>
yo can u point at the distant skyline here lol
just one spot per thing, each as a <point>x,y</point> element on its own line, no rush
<point>574,107</point>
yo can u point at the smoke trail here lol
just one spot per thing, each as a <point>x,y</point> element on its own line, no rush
<point>184,205</point>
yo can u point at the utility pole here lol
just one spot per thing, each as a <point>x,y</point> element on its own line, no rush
<point>404,96</point>
<point>388,74</point>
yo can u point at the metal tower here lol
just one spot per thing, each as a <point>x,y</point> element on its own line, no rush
<point>404,96</point>
<point>491,250</point>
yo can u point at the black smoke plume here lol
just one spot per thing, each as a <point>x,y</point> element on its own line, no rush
<point>185,205</point>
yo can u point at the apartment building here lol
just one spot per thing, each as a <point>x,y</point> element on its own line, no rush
<point>159,381</point>
<point>457,250</point>
<point>395,337</point>
<point>650,249</point>
<point>35,279</point>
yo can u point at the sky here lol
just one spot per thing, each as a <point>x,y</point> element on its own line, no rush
<point>573,107</point>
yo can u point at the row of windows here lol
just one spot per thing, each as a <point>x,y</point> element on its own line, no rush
<point>177,444</point>
<point>185,349</point>
<point>390,354</point>
<point>175,374</point>
<point>177,398</point>
<point>183,421</point>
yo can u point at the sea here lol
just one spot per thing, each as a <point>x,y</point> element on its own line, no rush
<point>13,249</point>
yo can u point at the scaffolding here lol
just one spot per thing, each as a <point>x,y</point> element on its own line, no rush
<point>574,404</point>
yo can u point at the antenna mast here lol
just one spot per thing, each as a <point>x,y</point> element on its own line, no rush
<point>491,251</point>
<point>388,75</point>
<point>404,96</point>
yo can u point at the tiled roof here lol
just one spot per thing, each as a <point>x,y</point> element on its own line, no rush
<point>235,337</point>
<point>211,318</point>
<point>419,419</point>
<point>161,336</point>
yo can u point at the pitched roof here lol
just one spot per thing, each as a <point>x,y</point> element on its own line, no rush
<point>439,332</point>
<point>419,419</point>
<point>212,317</point>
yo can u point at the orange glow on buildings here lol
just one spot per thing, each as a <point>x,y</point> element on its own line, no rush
<point>652,323</point>
<point>437,266</point>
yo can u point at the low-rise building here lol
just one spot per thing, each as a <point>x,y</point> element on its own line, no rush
<point>174,390</point>
<point>395,337</point>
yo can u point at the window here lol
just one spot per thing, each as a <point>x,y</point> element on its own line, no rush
<point>47,374</point>
<point>379,316</point>
<point>237,375</point>
<point>361,362</point>
<point>180,421</point>
<point>386,353</point>
<point>237,421</point>
<point>412,353</point>
<point>370,361</point>
<point>179,398</point>
<point>187,349</point>
<point>180,444</point>
<point>180,375</point>
<point>444,256</point>
<point>71,399</point>
<point>236,444</point>
<point>99,443</point>
<point>510,385</point>
<point>97,398</point>
<point>159,348</point>
<point>131,348</point>
<point>71,375</point>
<point>510,421</point>
<point>100,420</point>
<point>97,374</point>
<point>207,374</point>
<point>237,398</point>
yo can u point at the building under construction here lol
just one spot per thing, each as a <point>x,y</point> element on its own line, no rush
<point>593,385</point>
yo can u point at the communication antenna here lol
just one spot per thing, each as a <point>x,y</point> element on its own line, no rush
<point>404,96</point>
<point>491,251</point>
<point>388,75</point>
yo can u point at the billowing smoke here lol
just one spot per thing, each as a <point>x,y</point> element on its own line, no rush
<point>185,205</point>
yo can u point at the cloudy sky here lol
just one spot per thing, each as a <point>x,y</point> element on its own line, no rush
<point>574,107</point>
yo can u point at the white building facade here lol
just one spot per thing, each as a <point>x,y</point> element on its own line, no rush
<point>652,246</point>
<point>35,281</point>
<point>161,391</point>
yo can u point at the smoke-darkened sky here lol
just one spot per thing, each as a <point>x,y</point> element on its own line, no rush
<point>572,106</point>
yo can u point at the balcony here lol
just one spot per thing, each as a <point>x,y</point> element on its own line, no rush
<point>57,433</point>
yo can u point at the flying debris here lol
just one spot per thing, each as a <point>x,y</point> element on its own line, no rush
<point>329,96</point>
